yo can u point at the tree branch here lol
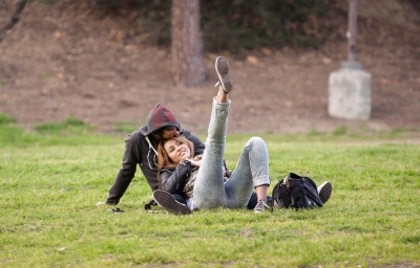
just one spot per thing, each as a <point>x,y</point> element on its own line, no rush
<point>20,4</point>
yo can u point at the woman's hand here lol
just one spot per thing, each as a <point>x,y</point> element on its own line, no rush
<point>194,163</point>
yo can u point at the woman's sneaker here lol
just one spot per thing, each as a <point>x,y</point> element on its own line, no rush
<point>222,69</point>
<point>261,207</point>
<point>168,202</point>
<point>324,191</point>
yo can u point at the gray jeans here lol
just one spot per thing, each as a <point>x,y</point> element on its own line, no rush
<point>210,190</point>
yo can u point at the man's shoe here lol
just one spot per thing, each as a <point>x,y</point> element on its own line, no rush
<point>324,191</point>
<point>261,207</point>
<point>110,207</point>
<point>166,201</point>
<point>222,69</point>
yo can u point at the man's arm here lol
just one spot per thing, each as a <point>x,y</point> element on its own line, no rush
<point>128,169</point>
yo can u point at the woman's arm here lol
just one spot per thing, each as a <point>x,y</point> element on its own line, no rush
<point>173,180</point>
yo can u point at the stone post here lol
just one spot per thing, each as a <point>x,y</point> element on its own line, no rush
<point>350,86</point>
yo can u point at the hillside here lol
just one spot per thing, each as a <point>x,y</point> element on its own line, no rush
<point>70,59</point>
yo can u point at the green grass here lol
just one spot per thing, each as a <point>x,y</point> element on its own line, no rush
<point>51,180</point>
<point>6,119</point>
<point>125,127</point>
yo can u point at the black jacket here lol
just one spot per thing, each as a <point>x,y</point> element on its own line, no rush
<point>141,150</point>
<point>174,179</point>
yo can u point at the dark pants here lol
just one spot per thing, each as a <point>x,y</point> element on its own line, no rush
<point>180,199</point>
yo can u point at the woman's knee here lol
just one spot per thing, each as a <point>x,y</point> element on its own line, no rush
<point>256,142</point>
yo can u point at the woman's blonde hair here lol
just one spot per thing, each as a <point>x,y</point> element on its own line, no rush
<point>163,159</point>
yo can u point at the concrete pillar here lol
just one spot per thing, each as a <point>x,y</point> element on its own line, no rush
<point>350,86</point>
<point>350,94</point>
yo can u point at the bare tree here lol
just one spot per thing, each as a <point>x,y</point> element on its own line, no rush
<point>188,66</point>
<point>20,4</point>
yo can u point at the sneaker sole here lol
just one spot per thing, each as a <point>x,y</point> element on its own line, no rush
<point>222,70</point>
<point>264,210</point>
<point>166,201</point>
<point>259,211</point>
<point>325,191</point>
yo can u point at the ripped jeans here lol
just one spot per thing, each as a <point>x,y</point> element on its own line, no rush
<point>210,189</point>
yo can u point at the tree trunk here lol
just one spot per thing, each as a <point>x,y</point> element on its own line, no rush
<point>188,66</point>
<point>20,4</point>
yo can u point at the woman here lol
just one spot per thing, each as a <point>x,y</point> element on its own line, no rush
<point>211,186</point>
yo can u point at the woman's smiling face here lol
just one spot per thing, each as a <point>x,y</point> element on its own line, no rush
<point>177,150</point>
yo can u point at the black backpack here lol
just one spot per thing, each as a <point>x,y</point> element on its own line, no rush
<point>296,192</point>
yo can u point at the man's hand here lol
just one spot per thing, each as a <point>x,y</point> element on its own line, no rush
<point>110,207</point>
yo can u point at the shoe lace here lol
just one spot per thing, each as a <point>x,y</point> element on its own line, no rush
<point>263,205</point>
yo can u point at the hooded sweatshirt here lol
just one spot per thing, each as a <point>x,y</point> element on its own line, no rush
<point>141,149</point>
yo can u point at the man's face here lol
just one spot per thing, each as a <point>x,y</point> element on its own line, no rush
<point>170,132</point>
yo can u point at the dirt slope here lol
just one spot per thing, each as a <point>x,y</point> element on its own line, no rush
<point>71,60</point>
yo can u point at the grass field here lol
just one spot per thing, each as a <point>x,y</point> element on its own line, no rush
<point>51,179</point>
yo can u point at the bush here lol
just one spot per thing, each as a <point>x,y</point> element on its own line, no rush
<point>5,119</point>
<point>235,24</point>
<point>231,24</point>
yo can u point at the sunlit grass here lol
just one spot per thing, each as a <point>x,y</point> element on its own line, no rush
<point>51,180</point>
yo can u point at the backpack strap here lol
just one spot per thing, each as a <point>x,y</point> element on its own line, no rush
<point>310,188</point>
<point>286,181</point>
<point>312,191</point>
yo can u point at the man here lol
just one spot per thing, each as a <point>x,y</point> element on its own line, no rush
<point>140,149</point>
